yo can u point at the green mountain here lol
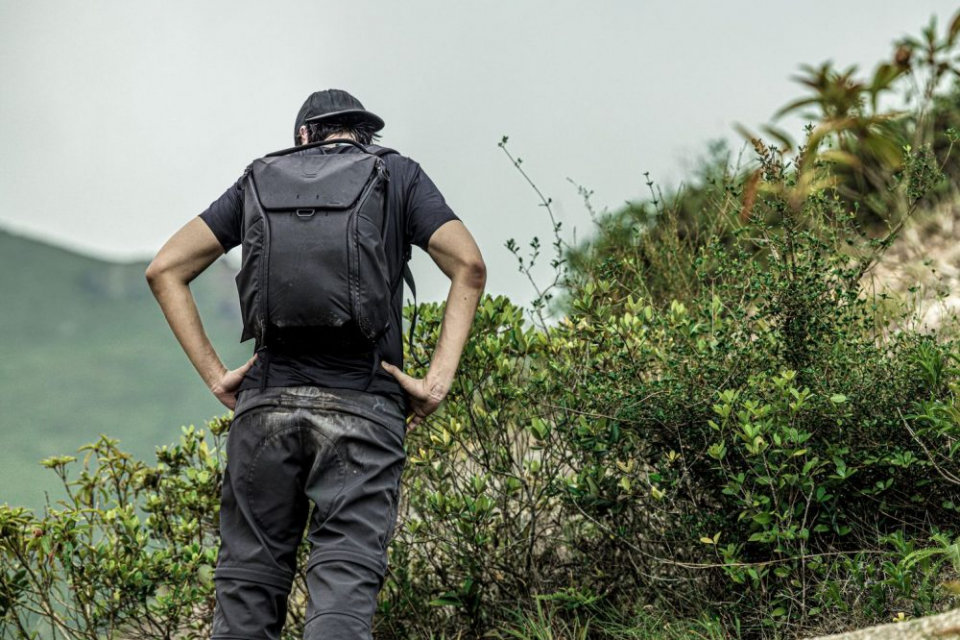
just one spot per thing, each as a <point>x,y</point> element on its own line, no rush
<point>84,350</point>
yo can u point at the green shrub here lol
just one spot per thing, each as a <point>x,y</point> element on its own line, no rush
<point>129,551</point>
<point>772,450</point>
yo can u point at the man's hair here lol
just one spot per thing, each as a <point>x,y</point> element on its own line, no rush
<point>362,130</point>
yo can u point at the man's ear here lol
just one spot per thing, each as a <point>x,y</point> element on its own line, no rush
<point>304,138</point>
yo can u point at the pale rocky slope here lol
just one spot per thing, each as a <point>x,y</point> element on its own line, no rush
<point>926,255</point>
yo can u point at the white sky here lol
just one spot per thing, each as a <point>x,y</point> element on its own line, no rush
<point>119,121</point>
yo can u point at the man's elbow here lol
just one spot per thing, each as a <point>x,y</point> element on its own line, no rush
<point>475,273</point>
<point>156,274</point>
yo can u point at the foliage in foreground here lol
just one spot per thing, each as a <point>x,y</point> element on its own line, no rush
<point>766,452</point>
<point>772,454</point>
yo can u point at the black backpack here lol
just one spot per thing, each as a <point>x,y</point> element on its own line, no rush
<point>313,257</point>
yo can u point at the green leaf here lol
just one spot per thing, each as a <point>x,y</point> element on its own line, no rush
<point>446,600</point>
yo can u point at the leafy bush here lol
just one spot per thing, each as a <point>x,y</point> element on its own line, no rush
<point>130,551</point>
<point>773,450</point>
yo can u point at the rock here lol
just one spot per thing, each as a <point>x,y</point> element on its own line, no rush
<point>945,626</point>
<point>925,256</point>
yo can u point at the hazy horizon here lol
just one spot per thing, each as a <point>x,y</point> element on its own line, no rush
<point>122,121</point>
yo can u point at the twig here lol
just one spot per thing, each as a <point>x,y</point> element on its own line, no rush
<point>949,477</point>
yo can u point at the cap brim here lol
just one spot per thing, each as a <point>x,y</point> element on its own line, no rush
<point>375,120</point>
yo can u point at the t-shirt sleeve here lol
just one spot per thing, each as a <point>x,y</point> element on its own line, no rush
<point>224,216</point>
<point>426,209</point>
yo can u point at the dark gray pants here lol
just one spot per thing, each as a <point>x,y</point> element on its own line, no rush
<point>290,447</point>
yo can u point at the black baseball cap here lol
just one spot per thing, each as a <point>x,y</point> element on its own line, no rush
<point>329,104</point>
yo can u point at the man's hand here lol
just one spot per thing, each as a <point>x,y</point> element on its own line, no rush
<point>225,388</point>
<point>425,394</point>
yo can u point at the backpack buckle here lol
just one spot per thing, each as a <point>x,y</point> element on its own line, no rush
<point>305,213</point>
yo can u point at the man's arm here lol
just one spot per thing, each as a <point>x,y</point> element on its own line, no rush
<point>455,252</point>
<point>185,256</point>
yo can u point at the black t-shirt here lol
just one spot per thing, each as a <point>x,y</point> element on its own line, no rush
<point>415,209</point>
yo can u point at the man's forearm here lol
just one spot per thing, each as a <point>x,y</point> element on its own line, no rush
<point>461,307</point>
<point>180,309</point>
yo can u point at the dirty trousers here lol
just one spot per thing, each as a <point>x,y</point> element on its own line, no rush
<point>287,448</point>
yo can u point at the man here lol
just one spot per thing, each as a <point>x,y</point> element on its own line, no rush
<point>318,429</point>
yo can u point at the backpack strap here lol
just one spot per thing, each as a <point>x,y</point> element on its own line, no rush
<point>381,151</point>
<point>407,275</point>
<point>311,145</point>
<point>408,278</point>
<point>374,365</point>
<point>377,151</point>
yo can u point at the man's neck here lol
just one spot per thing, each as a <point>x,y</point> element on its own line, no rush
<point>337,136</point>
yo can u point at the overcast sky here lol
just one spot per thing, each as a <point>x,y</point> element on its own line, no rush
<point>119,121</point>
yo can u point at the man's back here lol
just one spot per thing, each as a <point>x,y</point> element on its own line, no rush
<point>415,209</point>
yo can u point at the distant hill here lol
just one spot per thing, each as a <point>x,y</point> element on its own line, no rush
<point>84,349</point>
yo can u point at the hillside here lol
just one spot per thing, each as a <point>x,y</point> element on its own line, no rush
<point>86,350</point>
<point>923,265</point>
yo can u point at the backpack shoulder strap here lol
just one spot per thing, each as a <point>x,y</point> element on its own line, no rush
<point>379,151</point>
<point>311,145</point>
<point>407,276</point>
